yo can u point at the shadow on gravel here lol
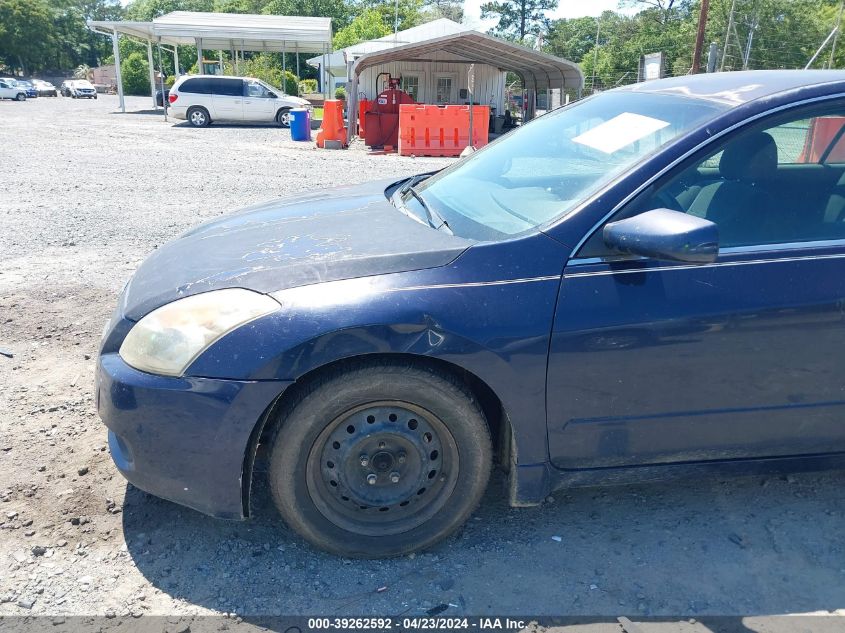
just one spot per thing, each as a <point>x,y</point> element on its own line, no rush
<point>158,112</point>
<point>748,545</point>
<point>228,125</point>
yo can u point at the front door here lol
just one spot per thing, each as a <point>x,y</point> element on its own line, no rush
<point>259,102</point>
<point>658,362</point>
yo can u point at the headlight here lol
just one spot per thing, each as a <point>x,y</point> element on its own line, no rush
<point>170,338</point>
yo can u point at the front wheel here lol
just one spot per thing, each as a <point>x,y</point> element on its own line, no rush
<point>283,117</point>
<point>380,460</point>
<point>20,97</point>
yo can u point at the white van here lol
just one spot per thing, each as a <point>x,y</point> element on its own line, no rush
<point>10,90</point>
<point>201,99</point>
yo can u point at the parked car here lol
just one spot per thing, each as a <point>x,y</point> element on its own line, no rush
<point>64,89</point>
<point>44,88</point>
<point>159,100</point>
<point>11,90</point>
<point>31,90</point>
<point>81,89</point>
<point>203,99</point>
<point>644,284</point>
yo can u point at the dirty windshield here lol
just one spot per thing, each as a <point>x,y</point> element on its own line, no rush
<point>541,171</point>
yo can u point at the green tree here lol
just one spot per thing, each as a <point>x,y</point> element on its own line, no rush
<point>411,13</point>
<point>339,11</point>
<point>451,9</point>
<point>518,18</point>
<point>572,38</point>
<point>146,10</point>
<point>368,25</point>
<point>136,74</point>
<point>27,35</point>
<point>267,67</point>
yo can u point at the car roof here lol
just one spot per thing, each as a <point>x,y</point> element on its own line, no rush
<point>736,88</point>
<point>212,77</point>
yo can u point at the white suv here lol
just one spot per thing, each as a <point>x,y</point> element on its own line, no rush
<point>9,90</point>
<point>202,99</point>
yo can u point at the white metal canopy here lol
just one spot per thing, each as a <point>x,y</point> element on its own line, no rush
<point>538,70</point>
<point>236,32</point>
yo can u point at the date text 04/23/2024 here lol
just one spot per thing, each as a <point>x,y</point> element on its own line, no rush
<point>415,624</point>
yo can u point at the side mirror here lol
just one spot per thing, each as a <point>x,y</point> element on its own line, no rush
<point>665,234</point>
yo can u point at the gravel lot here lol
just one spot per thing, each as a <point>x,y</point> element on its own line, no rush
<point>87,194</point>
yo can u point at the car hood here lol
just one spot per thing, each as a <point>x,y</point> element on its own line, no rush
<point>328,236</point>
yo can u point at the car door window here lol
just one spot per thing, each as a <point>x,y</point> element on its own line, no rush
<point>228,87</point>
<point>255,89</point>
<point>775,184</point>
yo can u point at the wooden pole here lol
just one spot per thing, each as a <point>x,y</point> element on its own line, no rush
<point>699,37</point>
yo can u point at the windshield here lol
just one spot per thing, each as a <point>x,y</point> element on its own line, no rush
<point>543,170</point>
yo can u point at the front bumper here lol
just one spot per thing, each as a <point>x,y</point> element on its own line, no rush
<point>182,439</point>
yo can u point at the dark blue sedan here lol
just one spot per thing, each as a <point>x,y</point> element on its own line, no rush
<point>647,283</point>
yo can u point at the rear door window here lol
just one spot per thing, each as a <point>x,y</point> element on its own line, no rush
<point>228,87</point>
<point>196,86</point>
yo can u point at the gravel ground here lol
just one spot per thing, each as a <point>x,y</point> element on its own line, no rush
<point>88,193</point>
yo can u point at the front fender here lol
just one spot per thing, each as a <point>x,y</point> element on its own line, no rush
<point>497,330</point>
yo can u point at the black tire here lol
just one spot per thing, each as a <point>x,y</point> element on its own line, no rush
<point>423,428</point>
<point>20,97</point>
<point>95,97</point>
<point>198,117</point>
<point>283,117</point>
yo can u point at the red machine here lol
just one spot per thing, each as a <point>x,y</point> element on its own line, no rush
<point>381,123</point>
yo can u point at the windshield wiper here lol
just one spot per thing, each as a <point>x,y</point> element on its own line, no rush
<point>435,220</point>
<point>411,182</point>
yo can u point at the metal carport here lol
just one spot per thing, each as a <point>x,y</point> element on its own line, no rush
<point>234,32</point>
<point>538,70</point>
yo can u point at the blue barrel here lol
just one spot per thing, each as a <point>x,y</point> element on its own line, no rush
<point>300,124</point>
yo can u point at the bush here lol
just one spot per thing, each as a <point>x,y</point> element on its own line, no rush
<point>136,75</point>
<point>169,81</point>
<point>308,86</point>
<point>264,67</point>
<point>340,93</point>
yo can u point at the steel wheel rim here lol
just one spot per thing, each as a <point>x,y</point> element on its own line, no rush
<point>284,118</point>
<point>197,118</point>
<point>409,451</point>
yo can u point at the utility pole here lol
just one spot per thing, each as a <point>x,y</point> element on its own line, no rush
<point>747,56</point>
<point>836,36</point>
<point>727,35</point>
<point>699,37</point>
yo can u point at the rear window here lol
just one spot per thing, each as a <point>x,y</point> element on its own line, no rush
<point>197,86</point>
<point>228,87</point>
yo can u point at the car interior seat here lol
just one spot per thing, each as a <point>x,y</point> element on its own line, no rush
<point>739,203</point>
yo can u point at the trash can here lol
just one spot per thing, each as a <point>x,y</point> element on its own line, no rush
<point>300,124</point>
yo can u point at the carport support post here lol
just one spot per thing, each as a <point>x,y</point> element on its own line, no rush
<point>352,109</point>
<point>176,60</point>
<point>199,55</point>
<point>152,74</point>
<point>117,74</point>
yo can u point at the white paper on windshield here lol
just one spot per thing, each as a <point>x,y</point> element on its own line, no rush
<point>622,130</point>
